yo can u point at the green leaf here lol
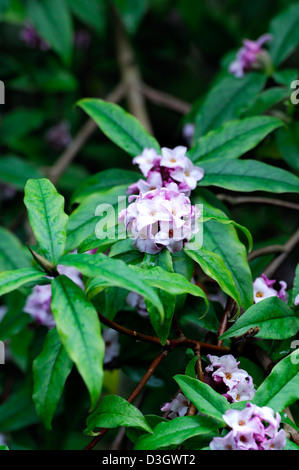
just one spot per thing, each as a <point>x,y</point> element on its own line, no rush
<point>213,265</point>
<point>285,32</point>
<point>12,280</point>
<point>47,218</point>
<point>175,432</point>
<point>111,272</point>
<point>281,387</point>
<point>103,181</point>
<point>18,411</point>
<point>295,291</point>
<point>53,22</point>
<point>79,329</point>
<point>203,397</point>
<point>12,254</point>
<point>50,371</point>
<point>233,139</point>
<point>248,175</point>
<point>288,144</point>
<point>19,123</point>
<point>119,126</point>
<point>91,12</point>
<point>223,240</point>
<point>274,318</point>
<point>114,411</point>
<point>16,171</point>
<point>268,98</point>
<point>227,101</point>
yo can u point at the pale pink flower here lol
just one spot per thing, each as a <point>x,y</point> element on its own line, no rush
<point>248,56</point>
<point>147,160</point>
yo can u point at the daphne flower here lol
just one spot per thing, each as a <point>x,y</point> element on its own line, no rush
<point>32,39</point>
<point>253,428</point>
<point>262,289</point>
<point>177,407</point>
<point>188,132</point>
<point>112,346</point>
<point>296,301</point>
<point>249,55</point>
<point>147,160</point>
<point>189,174</point>
<point>137,301</point>
<point>173,158</point>
<point>224,375</point>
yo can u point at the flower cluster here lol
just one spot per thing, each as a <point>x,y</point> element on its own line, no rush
<point>38,303</point>
<point>224,375</point>
<point>253,428</point>
<point>249,56</point>
<point>162,170</point>
<point>177,407</point>
<point>263,288</point>
<point>160,217</point>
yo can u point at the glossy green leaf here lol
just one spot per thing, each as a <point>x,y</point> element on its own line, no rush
<point>175,432</point>
<point>18,411</point>
<point>50,371</point>
<point>91,12</point>
<point>233,139</point>
<point>47,217</point>
<point>79,329</point>
<point>203,397</point>
<point>119,126</point>
<point>285,32</point>
<point>248,175</point>
<point>12,280</point>
<point>281,387</point>
<point>17,171</point>
<point>114,411</point>
<point>273,317</point>
<point>12,254</point>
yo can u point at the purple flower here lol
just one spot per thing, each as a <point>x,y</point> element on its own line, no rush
<point>82,39</point>
<point>161,171</point>
<point>249,56</point>
<point>161,217</point>
<point>32,39</point>
<point>112,346</point>
<point>7,191</point>
<point>177,407</point>
<point>224,375</point>
<point>59,136</point>
<point>296,301</point>
<point>262,289</point>
<point>253,428</point>
<point>137,301</point>
<point>188,132</point>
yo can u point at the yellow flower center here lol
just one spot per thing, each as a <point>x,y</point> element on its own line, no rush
<point>259,294</point>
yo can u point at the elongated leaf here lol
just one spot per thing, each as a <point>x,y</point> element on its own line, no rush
<point>175,432</point>
<point>213,265</point>
<point>248,175</point>
<point>12,280</point>
<point>114,273</point>
<point>18,411</point>
<point>114,411</point>
<point>92,13</point>
<point>47,218</point>
<point>223,240</point>
<point>281,387</point>
<point>50,371</point>
<point>53,21</point>
<point>284,29</point>
<point>12,254</point>
<point>16,171</point>
<point>227,101</point>
<point>274,318</point>
<point>288,144</point>
<point>233,139</point>
<point>119,126</point>
<point>132,12</point>
<point>269,98</point>
<point>203,397</point>
<point>80,333</point>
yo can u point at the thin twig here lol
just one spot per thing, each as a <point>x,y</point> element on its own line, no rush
<point>164,99</point>
<point>158,359</point>
<point>277,262</point>
<point>229,311</point>
<point>265,250</point>
<point>257,200</point>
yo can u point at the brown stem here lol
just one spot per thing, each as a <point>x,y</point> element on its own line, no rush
<point>265,250</point>
<point>164,99</point>
<point>257,200</point>
<point>229,311</point>
<point>277,262</point>
<point>158,359</point>
<point>130,73</point>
